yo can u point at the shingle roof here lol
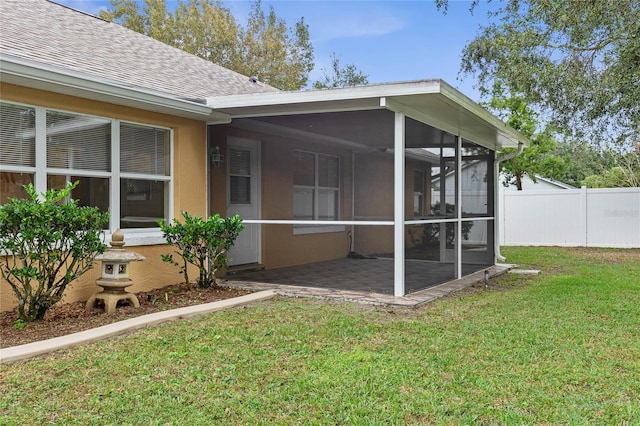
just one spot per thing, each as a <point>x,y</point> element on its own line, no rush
<point>54,35</point>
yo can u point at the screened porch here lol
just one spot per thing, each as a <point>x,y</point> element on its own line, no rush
<point>379,198</point>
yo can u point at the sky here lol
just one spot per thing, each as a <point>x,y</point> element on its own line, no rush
<point>389,41</point>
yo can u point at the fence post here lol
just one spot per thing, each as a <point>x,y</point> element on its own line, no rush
<point>583,217</point>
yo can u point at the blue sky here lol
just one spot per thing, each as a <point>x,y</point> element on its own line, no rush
<point>387,40</point>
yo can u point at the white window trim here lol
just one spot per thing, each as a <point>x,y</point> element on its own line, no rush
<point>134,236</point>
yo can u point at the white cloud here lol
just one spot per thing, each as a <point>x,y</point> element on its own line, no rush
<point>353,20</point>
<point>358,26</point>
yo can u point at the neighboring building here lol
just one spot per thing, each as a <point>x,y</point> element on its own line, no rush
<point>149,130</point>
<point>540,184</point>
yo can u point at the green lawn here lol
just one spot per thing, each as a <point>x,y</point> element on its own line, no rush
<point>559,348</point>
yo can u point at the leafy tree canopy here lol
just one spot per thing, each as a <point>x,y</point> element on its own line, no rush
<point>625,172</point>
<point>617,177</point>
<point>576,60</point>
<point>595,167</point>
<point>265,47</point>
<point>539,157</point>
<point>348,75</point>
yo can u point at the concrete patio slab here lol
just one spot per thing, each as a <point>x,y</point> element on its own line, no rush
<point>411,300</point>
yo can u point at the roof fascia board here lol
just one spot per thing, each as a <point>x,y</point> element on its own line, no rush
<point>463,101</point>
<point>396,106</point>
<point>57,77</point>
<point>303,109</point>
<point>324,95</point>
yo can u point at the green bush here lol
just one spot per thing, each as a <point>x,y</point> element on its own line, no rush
<point>203,243</point>
<point>46,243</point>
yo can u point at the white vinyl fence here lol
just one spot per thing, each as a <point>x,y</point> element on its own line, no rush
<point>571,217</point>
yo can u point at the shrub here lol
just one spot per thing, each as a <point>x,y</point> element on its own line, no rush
<point>45,244</point>
<point>203,243</point>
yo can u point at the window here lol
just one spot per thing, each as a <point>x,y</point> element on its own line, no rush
<point>240,176</point>
<point>316,186</point>
<point>17,150</point>
<point>144,175</point>
<point>78,148</point>
<point>122,168</point>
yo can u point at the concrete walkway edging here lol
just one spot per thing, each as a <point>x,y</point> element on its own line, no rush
<point>29,350</point>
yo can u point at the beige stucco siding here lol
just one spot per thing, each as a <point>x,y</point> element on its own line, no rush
<point>189,183</point>
<point>373,199</point>
<point>280,247</point>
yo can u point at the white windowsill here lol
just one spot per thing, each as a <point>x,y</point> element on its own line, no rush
<point>140,237</point>
<point>317,229</point>
<point>132,238</point>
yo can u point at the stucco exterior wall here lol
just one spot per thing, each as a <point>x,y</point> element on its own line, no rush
<point>280,247</point>
<point>189,183</point>
<point>373,195</point>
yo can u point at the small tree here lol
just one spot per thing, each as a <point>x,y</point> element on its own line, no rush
<point>339,76</point>
<point>203,243</point>
<point>46,243</point>
<point>539,157</point>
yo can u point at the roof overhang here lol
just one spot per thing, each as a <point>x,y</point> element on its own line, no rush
<point>432,102</point>
<point>36,75</point>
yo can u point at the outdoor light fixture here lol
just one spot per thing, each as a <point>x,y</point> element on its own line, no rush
<point>216,158</point>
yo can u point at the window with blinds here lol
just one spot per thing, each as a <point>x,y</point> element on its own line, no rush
<point>144,150</point>
<point>240,176</point>
<point>17,135</point>
<point>144,167</point>
<point>17,150</point>
<point>78,148</point>
<point>78,142</point>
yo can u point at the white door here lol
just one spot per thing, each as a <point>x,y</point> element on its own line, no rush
<point>243,197</point>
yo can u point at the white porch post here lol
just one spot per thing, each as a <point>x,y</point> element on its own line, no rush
<point>398,206</point>
<point>458,175</point>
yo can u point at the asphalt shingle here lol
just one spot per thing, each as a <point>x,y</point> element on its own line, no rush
<point>55,35</point>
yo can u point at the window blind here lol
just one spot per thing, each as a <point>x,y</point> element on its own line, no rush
<point>17,135</point>
<point>240,162</point>
<point>144,150</point>
<point>240,176</point>
<point>78,142</point>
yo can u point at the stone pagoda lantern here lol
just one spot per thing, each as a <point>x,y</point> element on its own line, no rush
<point>114,275</point>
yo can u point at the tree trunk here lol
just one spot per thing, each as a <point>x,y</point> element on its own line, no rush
<point>519,181</point>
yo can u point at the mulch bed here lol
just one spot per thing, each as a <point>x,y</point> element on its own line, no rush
<point>67,318</point>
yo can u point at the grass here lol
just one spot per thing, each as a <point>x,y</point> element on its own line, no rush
<point>559,348</point>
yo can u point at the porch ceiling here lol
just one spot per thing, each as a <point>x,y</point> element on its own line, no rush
<point>432,102</point>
